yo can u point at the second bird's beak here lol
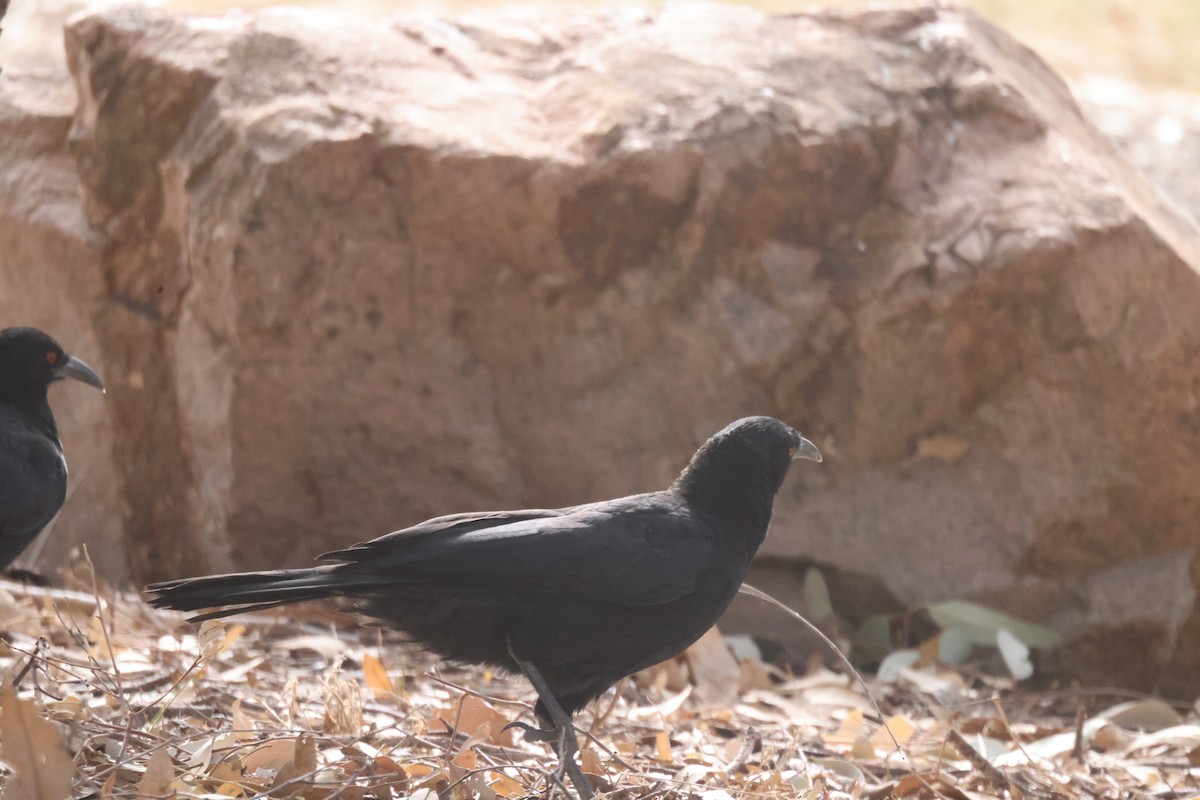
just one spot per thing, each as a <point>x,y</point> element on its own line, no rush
<point>74,368</point>
<point>807,450</point>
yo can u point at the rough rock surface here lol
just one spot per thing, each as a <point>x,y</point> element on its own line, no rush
<point>347,276</point>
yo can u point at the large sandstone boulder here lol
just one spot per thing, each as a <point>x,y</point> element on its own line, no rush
<point>348,276</point>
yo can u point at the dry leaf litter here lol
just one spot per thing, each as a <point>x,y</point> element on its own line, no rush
<point>106,698</point>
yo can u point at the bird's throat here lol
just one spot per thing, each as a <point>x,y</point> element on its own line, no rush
<point>739,499</point>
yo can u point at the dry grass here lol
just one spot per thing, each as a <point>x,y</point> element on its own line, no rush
<point>298,704</point>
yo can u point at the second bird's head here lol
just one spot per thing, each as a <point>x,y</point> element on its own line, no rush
<point>758,449</point>
<point>30,361</point>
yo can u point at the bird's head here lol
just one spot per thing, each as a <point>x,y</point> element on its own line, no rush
<point>30,361</point>
<point>748,458</point>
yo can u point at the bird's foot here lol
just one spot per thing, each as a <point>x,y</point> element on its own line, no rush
<point>534,733</point>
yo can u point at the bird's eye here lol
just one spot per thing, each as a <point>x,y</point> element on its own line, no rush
<point>51,357</point>
<point>792,450</point>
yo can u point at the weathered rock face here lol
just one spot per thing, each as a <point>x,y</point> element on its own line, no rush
<point>354,276</point>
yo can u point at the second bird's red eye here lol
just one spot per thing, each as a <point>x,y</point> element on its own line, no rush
<point>51,357</point>
<point>792,450</point>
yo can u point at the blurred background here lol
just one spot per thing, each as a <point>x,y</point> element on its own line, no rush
<point>1151,43</point>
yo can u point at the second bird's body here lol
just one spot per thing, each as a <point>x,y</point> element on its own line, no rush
<point>33,471</point>
<point>33,485</point>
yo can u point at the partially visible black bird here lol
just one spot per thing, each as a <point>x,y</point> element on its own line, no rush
<point>33,472</point>
<point>576,598</point>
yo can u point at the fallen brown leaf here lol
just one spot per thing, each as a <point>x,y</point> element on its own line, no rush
<point>376,676</point>
<point>473,717</point>
<point>662,747</point>
<point>270,756</point>
<point>34,748</point>
<point>160,771</point>
<point>296,773</point>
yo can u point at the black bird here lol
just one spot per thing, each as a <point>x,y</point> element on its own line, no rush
<point>576,598</point>
<point>33,472</point>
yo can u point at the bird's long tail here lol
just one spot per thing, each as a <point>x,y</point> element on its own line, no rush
<point>252,591</point>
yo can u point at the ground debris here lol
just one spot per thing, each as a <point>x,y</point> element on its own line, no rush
<point>302,703</point>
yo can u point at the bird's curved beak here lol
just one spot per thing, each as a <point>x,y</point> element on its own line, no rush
<point>75,368</point>
<point>807,450</point>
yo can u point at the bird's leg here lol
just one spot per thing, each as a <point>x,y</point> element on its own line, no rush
<point>563,730</point>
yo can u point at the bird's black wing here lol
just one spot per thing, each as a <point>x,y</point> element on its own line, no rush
<point>448,525</point>
<point>33,479</point>
<point>638,551</point>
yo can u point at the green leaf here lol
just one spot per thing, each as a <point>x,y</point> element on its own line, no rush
<point>1146,715</point>
<point>873,639</point>
<point>979,625</point>
<point>816,595</point>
